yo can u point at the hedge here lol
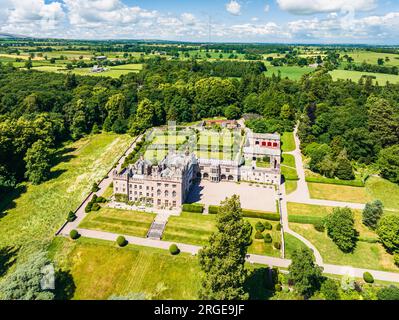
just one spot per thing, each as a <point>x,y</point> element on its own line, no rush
<point>352,183</point>
<point>261,215</point>
<point>278,227</point>
<point>319,226</point>
<point>259,226</point>
<point>196,208</point>
<point>258,235</point>
<point>71,216</point>
<point>268,225</point>
<point>304,219</point>
<point>268,238</point>
<point>368,277</point>
<point>213,209</point>
<point>277,245</point>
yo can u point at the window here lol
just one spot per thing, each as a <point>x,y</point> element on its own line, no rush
<point>269,144</point>
<point>148,188</point>
<point>173,186</point>
<point>159,202</point>
<point>135,193</point>
<point>130,191</point>
<point>202,168</point>
<point>166,193</point>
<point>166,185</point>
<point>275,144</point>
<point>174,194</point>
<point>135,186</point>
<point>148,194</point>
<point>174,203</point>
<point>158,184</point>
<point>124,190</point>
<point>116,188</point>
<point>141,193</point>
<point>158,192</point>
<point>140,187</point>
<point>227,170</point>
<point>130,185</point>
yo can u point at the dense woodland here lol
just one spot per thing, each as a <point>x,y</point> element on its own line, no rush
<point>341,122</point>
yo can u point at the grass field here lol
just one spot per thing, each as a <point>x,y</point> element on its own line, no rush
<point>356,75</point>
<point>291,72</point>
<point>31,218</point>
<point>169,139</point>
<point>288,160</point>
<point>287,142</point>
<point>338,193</point>
<point>385,191</point>
<point>191,228</point>
<point>292,244</point>
<point>372,57</point>
<point>365,255</point>
<point>99,269</point>
<point>124,222</point>
<point>289,173</point>
<point>290,186</point>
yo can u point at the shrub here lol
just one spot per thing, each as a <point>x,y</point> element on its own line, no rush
<point>277,245</point>
<point>268,238</point>
<point>396,259</point>
<point>268,225</point>
<point>95,207</point>
<point>258,235</point>
<point>95,187</point>
<point>213,209</point>
<point>319,226</point>
<point>94,198</point>
<point>388,231</point>
<point>278,287</point>
<point>278,227</point>
<point>88,207</point>
<point>71,216</point>
<point>101,200</point>
<point>259,226</point>
<point>196,208</point>
<point>388,293</point>
<point>261,215</point>
<point>329,289</point>
<point>368,277</point>
<point>121,241</point>
<point>372,214</point>
<point>173,249</point>
<point>74,234</point>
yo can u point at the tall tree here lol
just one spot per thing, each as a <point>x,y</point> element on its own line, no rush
<point>223,260</point>
<point>388,231</point>
<point>38,164</point>
<point>304,273</point>
<point>144,118</point>
<point>372,213</point>
<point>388,162</point>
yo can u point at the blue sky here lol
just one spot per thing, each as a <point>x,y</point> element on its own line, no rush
<point>288,21</point>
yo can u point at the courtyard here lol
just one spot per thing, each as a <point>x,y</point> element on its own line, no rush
<point>253,196</point>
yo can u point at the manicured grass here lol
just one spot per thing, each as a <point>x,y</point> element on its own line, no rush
<point>291,72</point>
<point>317,178</point>
<point>124,222</point>
<point>169,139</point>
<point>356,75</point>
<point>262,164</point>
<point>191,228</point>
<point>287,142</point>
<point>290,186</point>
<point>289,173</point>
<point>338,193</point>
<point>32,218</point>
<point>100,269</point>
<point>108,192</point>
<point>385,191</point>
<point>372,57</point>
<point>288,160</point>
<point>292,244</point>
<point>214,155</point>
<point>113,72</point>
<point>155,154</point>
<point>259,246</point>
<point>365,255</point>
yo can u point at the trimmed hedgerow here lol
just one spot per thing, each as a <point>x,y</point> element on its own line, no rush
<point>261,215</point>
<point>195,208</point>
<point>319,226</point>
<point>304,219</point>
<point>71,216</point>
<point>173,249</point>
<point>95,207</point>
<point>88,207</point>
<point>278,227</point>
<point>213,209</point>
<point>268,225</point>
<point>277,245</point>
<point>352,183</point>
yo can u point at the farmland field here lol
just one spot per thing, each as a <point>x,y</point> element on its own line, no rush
<point>372,57</point>
<point>356,75</point>
<point>291,72</point>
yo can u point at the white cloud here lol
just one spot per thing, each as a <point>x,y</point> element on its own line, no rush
<point>266,8</point>
<point>234,8</point>
<point>325,6</point>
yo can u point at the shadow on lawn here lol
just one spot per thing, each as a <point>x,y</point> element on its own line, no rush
<point>64,285</point>
<point>63,155</point>
<point>7,258</point>
<point>260,284</point>
<point>7,201</point>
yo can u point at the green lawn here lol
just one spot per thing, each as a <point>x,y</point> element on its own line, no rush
<point>289,173</point>
<point>191,228</point>
<point>292,244</point>
<point>338,193</point>
<point>385,191</point>
<point>356,75</point>
<point>214,155</point>
<point>32,218</point>
<point>155,154</point>
<point>169,139</point>
<point>365,255</point>
<point>287,142</point>
<point>99,269</point>
<point>124,222</point>
<point>288,160</point>
<point>291,72</point>
<point>372,57</point>
<point>290,186</point>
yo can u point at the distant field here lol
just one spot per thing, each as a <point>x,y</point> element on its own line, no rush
<point>291,72</point>
<point>372,57</point>
<point>355,76</point>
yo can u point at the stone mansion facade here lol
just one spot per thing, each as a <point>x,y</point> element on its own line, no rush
<point>167,184</point>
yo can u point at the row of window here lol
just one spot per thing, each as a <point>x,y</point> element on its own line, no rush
<point>267,144</point>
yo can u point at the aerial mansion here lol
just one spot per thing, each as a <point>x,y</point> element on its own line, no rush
<point>166,185</point>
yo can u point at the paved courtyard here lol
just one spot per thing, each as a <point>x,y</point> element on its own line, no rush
<point>252,197</point>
